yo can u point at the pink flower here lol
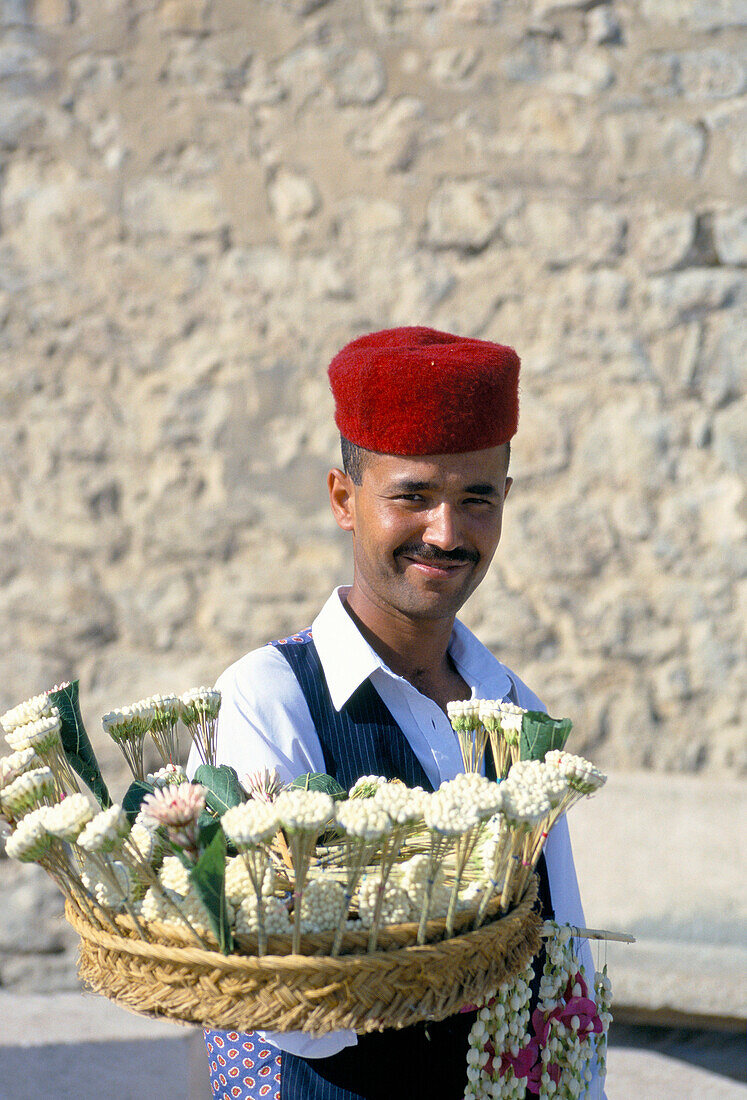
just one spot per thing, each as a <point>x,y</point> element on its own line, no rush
<point>523,1062</point>
<point>580,1014</point>
<point>175,806</point>
<point>576,980</point>
<point>541,1024</point>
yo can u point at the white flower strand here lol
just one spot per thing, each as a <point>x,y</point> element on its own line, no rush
<point>365,823</point>
<point>603,997</point>
<point>42,735</point>
<point>42,837</point>
<point>481,798</point>
<point>251,826</point>
<point>366,786</point>
<point>26,792</point>
<point>323,904</point>
<point>127,728</point>
<point>472,735</point>
<point>500,1026</point>
<point>447,816</point>
<point>404,807</point>
<point>503,721</point>
<point>275,918</point>
<point>577,1025</point>
<point>198,710</point>
<point>171,775</point>
<point>143,844</point>
<point>39,706</point>
<point>383,902</point>
<point>302,815</point>
<point>165,709</point>
<point>105,831</point>
<point>16,763</point>
<point>412,876</point>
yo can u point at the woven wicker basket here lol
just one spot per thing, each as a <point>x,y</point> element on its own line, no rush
<point>393,987</point>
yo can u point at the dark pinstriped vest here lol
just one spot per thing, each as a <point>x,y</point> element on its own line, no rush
<point>426,1060</point>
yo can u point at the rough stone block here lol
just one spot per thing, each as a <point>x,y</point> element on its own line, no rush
<point>52,13</point>
<point>690,294</point>
<point>394,135</point>
<point>466,214</point>
<point>453,66</point>
<point>17,117</point>
<point>711,74</point>
<point>183,15</point>
<point>603,25</point>
<point>660,237</point>
<point>293,196</point>
<point>653,145</point>
<point>730,235</point>
<point>730,436</point>
<point>551,125</point>
<point>560,233</point>
<point>723,370</point>
<point>700,15</point>
<point>360,80</point>
<point>156,205</point>
<point>731,121</point>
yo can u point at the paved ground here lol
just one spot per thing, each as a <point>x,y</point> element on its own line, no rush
<point>79,1047</point>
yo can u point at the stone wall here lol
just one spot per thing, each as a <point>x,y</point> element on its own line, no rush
<point>200,202</point>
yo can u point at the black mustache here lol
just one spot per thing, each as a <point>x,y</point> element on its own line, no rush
<point>424,552</point>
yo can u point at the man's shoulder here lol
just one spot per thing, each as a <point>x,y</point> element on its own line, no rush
<point>262,671</point>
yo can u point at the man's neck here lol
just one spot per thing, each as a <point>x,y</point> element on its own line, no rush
<point>413,648</point>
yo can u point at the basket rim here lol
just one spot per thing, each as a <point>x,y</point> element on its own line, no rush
<point>315,994</point>
<point>191,954</point>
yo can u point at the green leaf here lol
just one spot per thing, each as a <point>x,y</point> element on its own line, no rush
<point>208,877</point>
<point>223,789</point>
<point>78,749</point>
<point>320,781</point>
<point>134,796</point>
<point>540,733</point>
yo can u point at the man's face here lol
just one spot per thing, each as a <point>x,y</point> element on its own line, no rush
<point>424,528</point>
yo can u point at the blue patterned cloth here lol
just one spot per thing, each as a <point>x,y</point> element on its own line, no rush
<point>242,1068</point>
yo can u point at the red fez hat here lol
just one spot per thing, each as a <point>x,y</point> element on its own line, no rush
<point>416,391</point>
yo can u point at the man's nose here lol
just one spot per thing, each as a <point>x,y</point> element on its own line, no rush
<point>442,529</point>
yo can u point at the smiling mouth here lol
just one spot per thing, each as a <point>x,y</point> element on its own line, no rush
<point>436,568</point>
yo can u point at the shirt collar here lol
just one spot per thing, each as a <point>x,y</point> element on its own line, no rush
<point>348,659</point>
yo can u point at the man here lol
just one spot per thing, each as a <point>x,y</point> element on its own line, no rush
<point>426,420</point>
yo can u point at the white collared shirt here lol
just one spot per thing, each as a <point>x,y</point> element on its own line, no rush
<point>265,722</point>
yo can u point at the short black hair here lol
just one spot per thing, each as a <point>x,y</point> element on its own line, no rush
<point>354,459</point>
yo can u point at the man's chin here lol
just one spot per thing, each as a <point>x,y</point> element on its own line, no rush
<point>431,605</point>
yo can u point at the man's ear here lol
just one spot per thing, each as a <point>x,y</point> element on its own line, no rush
<point>342,499</point>
<point>509,483</point>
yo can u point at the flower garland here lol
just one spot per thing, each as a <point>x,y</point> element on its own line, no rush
<point>552,1058</point>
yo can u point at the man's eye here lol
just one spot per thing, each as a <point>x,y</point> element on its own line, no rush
<point>477,500</point>
<point>410,496</point>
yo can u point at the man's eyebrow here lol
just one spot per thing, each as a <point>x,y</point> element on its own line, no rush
<point>410,485</point>
<point>481,489</point>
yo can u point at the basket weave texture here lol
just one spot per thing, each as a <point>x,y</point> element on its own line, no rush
<point>315,994</point>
